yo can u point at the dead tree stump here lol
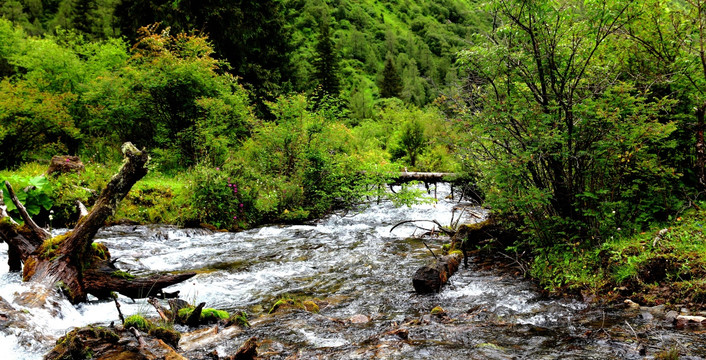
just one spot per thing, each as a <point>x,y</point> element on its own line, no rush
<point>62,164</point>
<point>72,261</point>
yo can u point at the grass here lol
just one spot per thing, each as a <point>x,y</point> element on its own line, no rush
<point>665,264</point>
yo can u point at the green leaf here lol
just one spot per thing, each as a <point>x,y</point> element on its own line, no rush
<point>39,182</point>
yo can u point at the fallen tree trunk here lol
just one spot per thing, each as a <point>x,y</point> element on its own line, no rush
<point>72,261</point>
<point>430,278</point>
<point>427,177</point>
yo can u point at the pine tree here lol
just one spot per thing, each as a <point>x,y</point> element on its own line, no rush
<point>391,85</point>
<point>326,63</point>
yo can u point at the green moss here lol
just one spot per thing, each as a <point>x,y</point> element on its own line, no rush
<point>240,319</point>
<point>48,248</point>
<point>122,274</point>
<point>184,313</point>
<point>310,306</point>
<point>438,310</point>
<point>138,322</point>
<point>100,251</point>
<point>213,315</point>
<point>75,344</point>
<point>281,303</point>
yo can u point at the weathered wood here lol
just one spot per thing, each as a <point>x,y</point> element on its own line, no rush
<point>134,168</point>
<point>18,246</point>
<point>140,341</point>
<point>195,317</point>
<point>66,264</point>
<point>164,314</point>
<point>29,223</point>
<point>70,260</point>
<point>430,278</point>
<point>100,283</point>
<point>117,306</point>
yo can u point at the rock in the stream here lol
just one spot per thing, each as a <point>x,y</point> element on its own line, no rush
<point>10,317</point>
<point>359,319</point>
<point>247,351</point>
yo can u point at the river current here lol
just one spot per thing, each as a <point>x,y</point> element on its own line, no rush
<point>359,272</point>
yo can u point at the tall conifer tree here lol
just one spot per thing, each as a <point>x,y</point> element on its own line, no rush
<point>326,62</point>
<point>391,85</point>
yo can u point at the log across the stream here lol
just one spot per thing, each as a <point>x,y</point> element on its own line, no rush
<point>72,261</point>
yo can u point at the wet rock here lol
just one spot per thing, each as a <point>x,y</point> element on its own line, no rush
<point>247,351</point>
<point>401,333</point>
<point>40,297</point>
<point>687,320</point>
<point>631,304</point>
<point>646,316</point>
<point>657,311</point>
<point>359,319</point>
<point>10,317</point>
<point>671,317</point>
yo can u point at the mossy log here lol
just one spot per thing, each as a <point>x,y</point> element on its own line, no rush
<point>71,260</point>
<point>430,278</point>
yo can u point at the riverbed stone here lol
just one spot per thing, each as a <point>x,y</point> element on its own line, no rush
<point>359,319</point>
<point>671,316</point>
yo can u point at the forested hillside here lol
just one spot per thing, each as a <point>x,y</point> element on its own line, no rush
<point>272,45</point>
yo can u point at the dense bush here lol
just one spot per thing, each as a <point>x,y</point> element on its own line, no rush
<point>171,98</point>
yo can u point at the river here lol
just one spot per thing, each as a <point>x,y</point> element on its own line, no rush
<point>359,273</point>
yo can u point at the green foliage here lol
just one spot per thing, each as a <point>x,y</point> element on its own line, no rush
<point>302,165</point>
<point>138,322</point>
<point>250,35</point>
<point>411,141</point>
<point>573,161</point>
<point>326,63</point>
<point>33,192</point>
<point>170,96</point>
<point>33,123</point>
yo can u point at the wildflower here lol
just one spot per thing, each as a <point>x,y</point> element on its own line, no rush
<point>218,169</point>
<point>241,205</point>
<point>235,217</point>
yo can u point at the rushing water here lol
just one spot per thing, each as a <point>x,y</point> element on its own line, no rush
<point>359,272</point>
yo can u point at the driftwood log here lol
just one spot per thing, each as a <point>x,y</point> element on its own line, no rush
<point>72,261</point>
<point>430,278</point>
